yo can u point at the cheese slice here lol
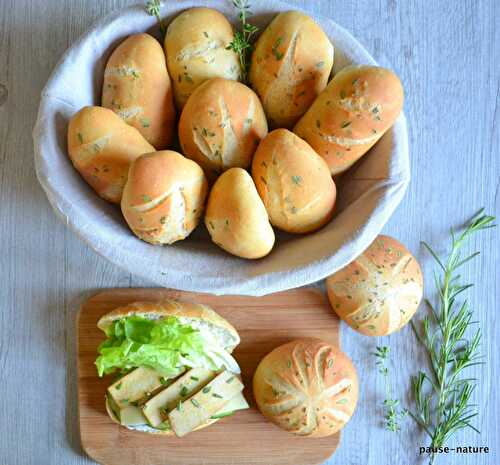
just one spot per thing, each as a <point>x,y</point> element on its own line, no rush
<point>238,402</point>
<point>155,409</point>
<point>197,410</point>
<point>135,387</point>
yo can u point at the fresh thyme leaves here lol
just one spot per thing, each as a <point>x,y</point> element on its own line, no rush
<point>241,42</point>
<point>153,9</point>
<point>391,406</point>
<point>442,396</point>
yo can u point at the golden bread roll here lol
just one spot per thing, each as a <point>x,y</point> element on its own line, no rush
<point>137,88</point>
<point>354,111</point>
<point>380,291</point>
<point>101,147</point>
<point>195,44</point>
<point>236,217</point>
<point>221,125</point>
<point>164,197</point>
<point>307,387</point>
<point>291,64</point>
<point>294,183</point>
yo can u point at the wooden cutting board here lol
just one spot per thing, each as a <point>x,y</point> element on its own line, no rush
<point>245,438</point>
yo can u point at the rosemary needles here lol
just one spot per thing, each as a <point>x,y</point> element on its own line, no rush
<point>442,396</point>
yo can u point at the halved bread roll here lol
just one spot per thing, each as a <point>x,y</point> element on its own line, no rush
<point>164,197</point>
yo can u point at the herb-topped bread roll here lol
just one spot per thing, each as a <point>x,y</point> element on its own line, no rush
<point>307,387</point>
<point>355,110</point>
<point>102,146</point>
<point>236,217</point>
<point>380,291</point>
<point>164,197</point>
<point>222,125</point>
<point>137,88</point>
<point>294,183</point>
<point>196,47</point>
<point>290,66</point>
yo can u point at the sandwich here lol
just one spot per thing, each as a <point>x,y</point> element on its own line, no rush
<point>175,370</point>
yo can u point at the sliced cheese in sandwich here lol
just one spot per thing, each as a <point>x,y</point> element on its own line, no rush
<point>155,409</point>
<point>128,392</point>
<point>197,410</point>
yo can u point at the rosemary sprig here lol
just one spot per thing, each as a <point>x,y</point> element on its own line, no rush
<point>153,9</point>
<point>391,406</point>
<point>241,42</point>
<point>443,396</point>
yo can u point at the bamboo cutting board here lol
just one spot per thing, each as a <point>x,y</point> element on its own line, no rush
<point>245,438</point>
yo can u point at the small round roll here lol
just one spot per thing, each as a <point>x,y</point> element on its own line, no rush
<point>222,125</point>
<point>164,197</point>
<point>380,291</point>
<point>354,111</point>
<point>294,183</point>
<point>236,217</point>
<point>307,387</point>
<point>290,67</point>
<point>195,45</point>
<point>138,89</point>
<point>101,147</point>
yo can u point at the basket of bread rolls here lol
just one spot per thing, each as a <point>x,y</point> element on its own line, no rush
<point>211,151</point>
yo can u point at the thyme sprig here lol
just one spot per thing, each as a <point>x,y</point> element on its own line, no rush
<point>241,43</point>
<point>391,406</point>
<point>153,9</point>
<point>443,396</point>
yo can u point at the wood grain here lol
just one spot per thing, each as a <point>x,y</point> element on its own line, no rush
<point>447,54</point>
<point>247,437</point>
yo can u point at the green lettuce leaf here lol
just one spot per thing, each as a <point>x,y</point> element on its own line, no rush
<point>164,345</point>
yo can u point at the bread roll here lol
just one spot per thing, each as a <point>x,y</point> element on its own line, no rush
<point>379,292</point>
<point>293,182</point>
<point>195,45</point>
<point>307,387</point>
<point>236,217</point>
<point>164,197</point>
<point>222,125</point>
<point>290,66</point>
<point>102,146</point>
<point>355,110</point>
<point>137,88</point>
<point>194,314</point>
<point>198,316</point>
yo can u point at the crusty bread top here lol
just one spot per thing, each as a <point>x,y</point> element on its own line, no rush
<point>189,312</point>
<point>164,197</point>
<point>196,47</point>
<point>379,291</point>
<point>357,107</point>
<point>137,87</point>
<point>294,182</point>
<point>221,125</point>
<point>236,217</point>
<point>291,63</point>
<point>307,387</point>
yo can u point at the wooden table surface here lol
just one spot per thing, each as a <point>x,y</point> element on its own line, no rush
<point>448,55</point>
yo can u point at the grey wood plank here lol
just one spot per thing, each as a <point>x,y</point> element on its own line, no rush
<point>446,54</point>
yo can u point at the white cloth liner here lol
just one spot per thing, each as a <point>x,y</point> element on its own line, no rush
<point>368,194</point>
